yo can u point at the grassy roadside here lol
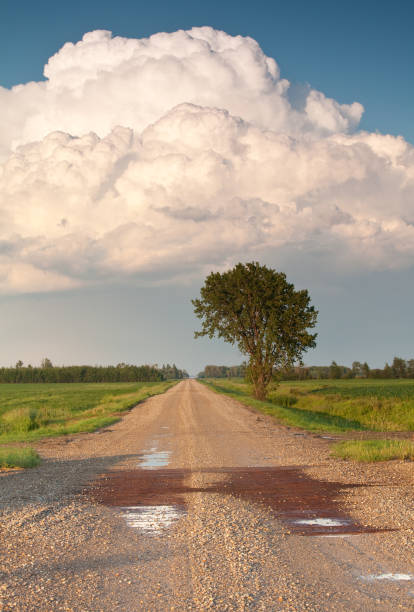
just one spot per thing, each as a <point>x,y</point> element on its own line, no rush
<point>32,411</point>
<point>18,457</point>
<point>334,406</point>
<point>292,415</point>
<point>374,450</point>
<point>338,407</point>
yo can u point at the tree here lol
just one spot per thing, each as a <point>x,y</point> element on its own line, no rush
<point>357,368</point>
<point>335,370</point>
<point>256,308</point>
<point>399,368</point>
<point>365,370</point>
<point>19,364</point>
<point>387,371</point>
<point>46,363</point>
<point>410,368</point>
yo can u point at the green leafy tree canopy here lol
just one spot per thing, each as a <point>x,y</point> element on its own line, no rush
<point>257,309</point>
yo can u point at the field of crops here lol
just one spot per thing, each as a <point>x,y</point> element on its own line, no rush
<point>334,405</point>
<point>32,411</point>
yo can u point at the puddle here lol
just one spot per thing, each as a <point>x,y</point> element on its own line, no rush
<point>151,519</point>
<point>323,522</point>
<point>393,577</point>
<point>306,505</point>
<point>153,459</point>
<point>160,487</point>
<point>150,500</point>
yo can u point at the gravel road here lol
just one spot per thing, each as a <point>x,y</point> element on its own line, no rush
<point>195,502</point>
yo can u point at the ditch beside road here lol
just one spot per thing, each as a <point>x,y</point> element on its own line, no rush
<point>195,502</point>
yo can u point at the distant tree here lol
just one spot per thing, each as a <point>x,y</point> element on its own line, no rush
<point>214,371</point>
<point>348,374</point>
<point>365,370</point>
<point>387,371</point>
<point>171,372</point>
<point>46,363</point>
<point>19,364</point>
<point>335,370</point>
<point>256,308</point>
<point>410,368</point>
<point>318,372</point>
<point>399,368</point>
<point>357,368</point>
<point>376,373</point>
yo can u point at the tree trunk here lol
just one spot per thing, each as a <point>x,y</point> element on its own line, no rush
<point>259,386</point>
<point>260,393</point>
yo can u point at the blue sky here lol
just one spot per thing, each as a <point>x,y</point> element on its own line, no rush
<point>353,51</point>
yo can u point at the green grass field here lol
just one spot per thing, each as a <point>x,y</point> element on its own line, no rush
<point>333,405</point>
<point>32,411</point>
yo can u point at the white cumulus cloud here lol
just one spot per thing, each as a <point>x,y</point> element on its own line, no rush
<point>164,157</point>
<point>101,82</point>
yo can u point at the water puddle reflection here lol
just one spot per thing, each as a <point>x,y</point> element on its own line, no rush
<point>153,459</point>
<point>392,577</point>
<point>151,519</point>
<point>323,522</point>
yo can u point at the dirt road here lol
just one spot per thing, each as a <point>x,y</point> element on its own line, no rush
<point>193,502</point>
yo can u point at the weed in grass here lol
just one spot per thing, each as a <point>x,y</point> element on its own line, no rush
<point>18,457</point>
<point>286,400</point>
<point>374,450</point>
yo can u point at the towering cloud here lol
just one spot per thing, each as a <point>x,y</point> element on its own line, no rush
<point>164,157</point>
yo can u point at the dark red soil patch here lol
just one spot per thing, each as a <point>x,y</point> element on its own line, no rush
<point>158,487</point>
<point>292,495</point>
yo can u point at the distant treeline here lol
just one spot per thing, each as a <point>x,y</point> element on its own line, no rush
<point>214,371</point>
<point>47,373</point>
<point>171,372</point>
<point>399,368</point>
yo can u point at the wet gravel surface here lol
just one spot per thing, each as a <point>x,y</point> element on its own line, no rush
<point>152,514</point>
